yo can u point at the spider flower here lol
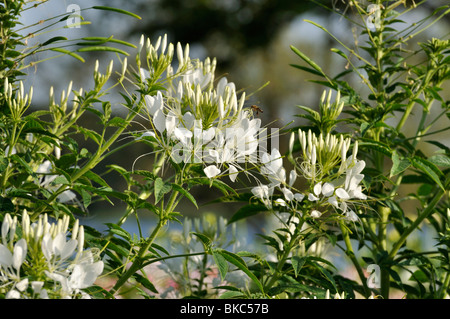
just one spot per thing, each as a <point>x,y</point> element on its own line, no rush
<point>195,119</point>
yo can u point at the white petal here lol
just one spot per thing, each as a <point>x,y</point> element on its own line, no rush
<point>159,120</point>
<point>22,285</point>
<point>13,294</point>
<point>318,188</point>
<point>58,243</point>
<point>260,191</point>
<point>20,253</point>
<point>351,215</point>
<point>188,120</point>
<point>312,198</point>
<point>208,135</point>
<point>299,197</point>
<point>170,124</point>
<point>333,201</point>
<point>47,246</point>
<point>280,202</point>
<point>233,173</point>
<point>292,177</point>
<point>287,194</point>
<point>315,214</point>
<point>69,248</point>
<point>342,194</point>
<point>145,74</point>
<point>154,103</point>
<point>148,133</point>
<point>327,189</point>
<point>182,134</point>
<point>211,171</point>
<point>6,258</point>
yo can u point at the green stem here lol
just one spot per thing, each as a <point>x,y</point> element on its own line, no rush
<point>443,290</point>
<point>350,253</point>
<point>278,272</point>
<point>382,238</point>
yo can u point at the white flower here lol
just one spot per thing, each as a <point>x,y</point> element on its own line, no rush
<point>56,250</point>
<point>273,167</point>
<point>85,272</point>
<point>263,192</point>
<point>211,171</point>
<point>154,103</point>
<point>351,188</point>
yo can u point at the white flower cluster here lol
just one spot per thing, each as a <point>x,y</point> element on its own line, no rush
<point>334,179</point>
<point>194,119</point>
<point>44,263</point>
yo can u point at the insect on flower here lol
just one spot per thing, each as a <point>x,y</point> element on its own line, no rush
<point>256,109</point>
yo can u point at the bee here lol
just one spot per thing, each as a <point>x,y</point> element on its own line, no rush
<point>256,109</point>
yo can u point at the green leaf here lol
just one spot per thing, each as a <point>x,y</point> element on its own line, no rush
<point>145,282</point>
<point>377,146</point>
<point>95,178</point>
<point>221,263</point>
<point>247,211</point>
<point>313,64</point>
<point>161,188</point>
<point>429,169</point>
<point>185,193</point>
<point>399,164</point>
<point>86,197</point>
<point>441,160</point>
<point>102,40</point>
<point>240,263</point>
<point>116,229</point>
<point>297,264</point>
<point>204,239</point>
